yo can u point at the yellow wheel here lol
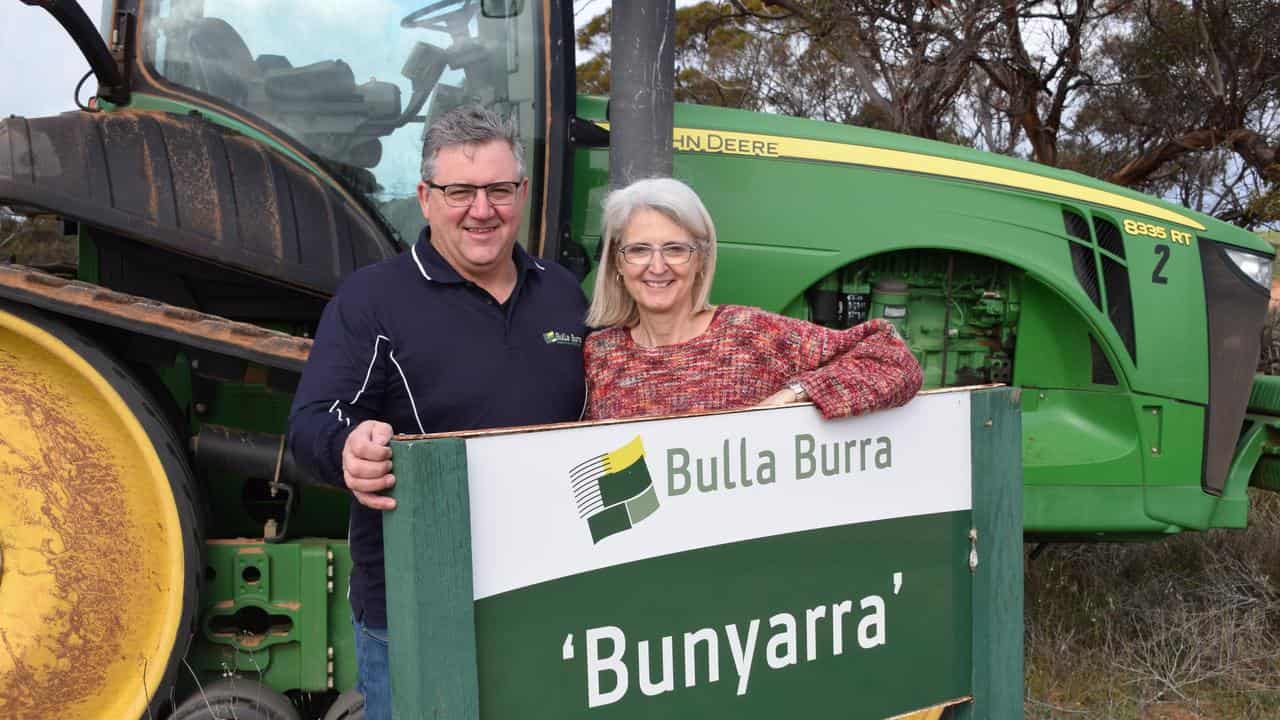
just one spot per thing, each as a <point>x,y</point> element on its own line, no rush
<point>100,542</point>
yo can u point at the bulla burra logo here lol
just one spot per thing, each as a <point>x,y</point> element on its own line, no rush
<point>614,491</point>
<point>555,337</point>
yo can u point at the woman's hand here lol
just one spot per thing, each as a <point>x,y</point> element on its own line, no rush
<point>785,396</point>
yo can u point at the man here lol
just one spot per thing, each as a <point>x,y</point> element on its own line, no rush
<point>464,331</point>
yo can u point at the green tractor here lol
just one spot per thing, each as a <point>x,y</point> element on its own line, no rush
<point>160,554</point>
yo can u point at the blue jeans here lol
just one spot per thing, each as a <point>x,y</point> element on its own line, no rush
<point>374,670</point>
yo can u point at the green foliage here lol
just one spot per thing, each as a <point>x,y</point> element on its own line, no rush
<point>719,59</point>
<point>593,76</point>
<point>1265,205</point>
<point>593,39</point>
<point>1189,79</point>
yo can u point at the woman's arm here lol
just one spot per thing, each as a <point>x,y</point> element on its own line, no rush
<point>849,372</point>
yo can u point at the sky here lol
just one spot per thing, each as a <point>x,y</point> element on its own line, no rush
<point>42,64</point>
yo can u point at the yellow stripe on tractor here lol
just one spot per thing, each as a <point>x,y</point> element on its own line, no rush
<point>782,147</point>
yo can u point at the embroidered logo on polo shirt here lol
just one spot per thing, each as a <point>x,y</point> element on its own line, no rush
<point>555,337</point>
<point>614,490</point>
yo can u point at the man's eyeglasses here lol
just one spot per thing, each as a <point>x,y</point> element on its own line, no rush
<point>672,253</point>
<point>462,194</point>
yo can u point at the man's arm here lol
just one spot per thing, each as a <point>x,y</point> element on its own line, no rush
<point>333,427</point>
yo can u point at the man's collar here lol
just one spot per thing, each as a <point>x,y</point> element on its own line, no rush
<point>431,263</point>
<point>435,268</point>
<point>525,261</point>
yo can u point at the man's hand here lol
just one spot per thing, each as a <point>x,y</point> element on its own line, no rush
<point>366,464</point>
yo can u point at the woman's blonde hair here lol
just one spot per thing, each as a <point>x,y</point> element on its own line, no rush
<point>611,304</point>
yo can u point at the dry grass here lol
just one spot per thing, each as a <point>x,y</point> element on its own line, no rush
<point>37,241</point>
<point>1183,628</point>
<point>1269,352</point>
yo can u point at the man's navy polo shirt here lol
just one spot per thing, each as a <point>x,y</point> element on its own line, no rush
<point>410,342</point>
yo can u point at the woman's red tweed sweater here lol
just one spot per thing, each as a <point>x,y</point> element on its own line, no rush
<point>745,356</point>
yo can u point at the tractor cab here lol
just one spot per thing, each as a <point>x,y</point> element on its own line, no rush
<point>353,90</point>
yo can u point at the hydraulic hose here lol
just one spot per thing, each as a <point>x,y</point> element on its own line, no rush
<point>73,19</point>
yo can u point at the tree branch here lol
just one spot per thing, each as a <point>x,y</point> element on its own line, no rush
<point>1141,167</point>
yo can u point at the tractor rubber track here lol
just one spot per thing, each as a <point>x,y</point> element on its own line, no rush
<point>97,304</point>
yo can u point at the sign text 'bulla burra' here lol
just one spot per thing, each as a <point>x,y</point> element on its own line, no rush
<point>738,465</point>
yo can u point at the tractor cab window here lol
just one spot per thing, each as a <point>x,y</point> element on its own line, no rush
<point>356,83</point>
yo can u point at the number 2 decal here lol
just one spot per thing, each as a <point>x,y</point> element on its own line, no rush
<point>1157,275</point>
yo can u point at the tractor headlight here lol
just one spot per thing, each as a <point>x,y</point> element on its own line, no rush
<point>1257,267</point>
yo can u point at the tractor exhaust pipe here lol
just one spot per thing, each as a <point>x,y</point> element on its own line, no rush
<point>642,95</point>
<point>252,454</point>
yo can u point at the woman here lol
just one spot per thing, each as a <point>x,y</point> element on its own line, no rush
<point>664,349</point>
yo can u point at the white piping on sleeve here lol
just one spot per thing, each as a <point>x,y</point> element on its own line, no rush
<point>538,265</point>
<point>335,409</point>
<point>369,372</point>
<point>414,252</point>
<point>408,391</point>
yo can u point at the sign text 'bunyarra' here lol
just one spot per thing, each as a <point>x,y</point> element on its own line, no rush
<point>615,667</point>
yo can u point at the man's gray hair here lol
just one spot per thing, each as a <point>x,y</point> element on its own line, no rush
<point>469,125</point>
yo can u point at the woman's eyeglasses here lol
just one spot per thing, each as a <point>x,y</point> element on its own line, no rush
<point>672,253</point>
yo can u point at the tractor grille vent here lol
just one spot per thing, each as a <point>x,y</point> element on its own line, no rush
<point>1086,272</point>
<point>1086,259</point>
<point>1115,276</point>
<point>1082,256</point>
<point>1077,226</point>
<point>1109,237</point>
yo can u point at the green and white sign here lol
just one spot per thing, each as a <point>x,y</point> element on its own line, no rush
<point>746,564</point>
